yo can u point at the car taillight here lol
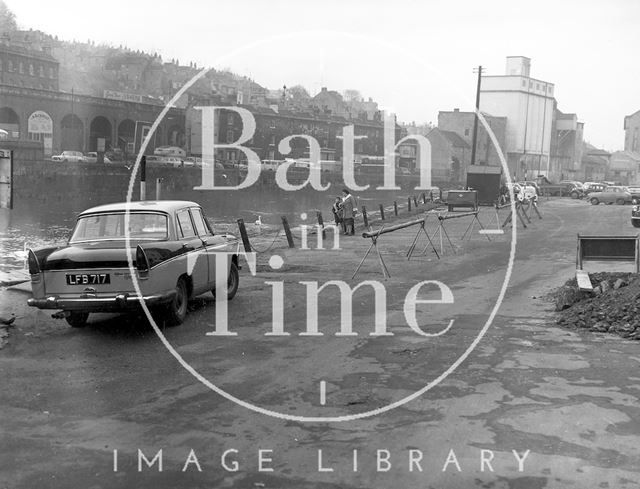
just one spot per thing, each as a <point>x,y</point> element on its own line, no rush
<point>32,260</point>
<point>142,262</point>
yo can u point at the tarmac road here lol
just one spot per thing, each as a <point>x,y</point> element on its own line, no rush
<point>70,397</point>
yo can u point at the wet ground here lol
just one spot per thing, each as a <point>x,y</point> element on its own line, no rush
<point>565,401</point>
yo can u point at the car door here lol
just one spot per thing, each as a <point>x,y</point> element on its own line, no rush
<point>212,243</point>
<point>194,256</point>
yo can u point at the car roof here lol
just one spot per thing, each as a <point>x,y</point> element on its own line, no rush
<point>146,205</point>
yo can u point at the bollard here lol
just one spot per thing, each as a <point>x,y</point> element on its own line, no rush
<point>244,236</point>
<point>409,204</point>
<point>287,231</point>
<point>424,198</point>
<point>143,178</point>
<point>381,212</point>
<point>158,188</point>
<point>321,223</point>
<point>415,202</point>
<point>395,208</point>
<point>365,218</point>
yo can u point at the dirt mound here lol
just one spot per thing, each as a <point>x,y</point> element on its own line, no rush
<point>614,305</point>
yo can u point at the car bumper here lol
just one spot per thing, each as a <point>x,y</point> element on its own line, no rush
<point>119,302</point>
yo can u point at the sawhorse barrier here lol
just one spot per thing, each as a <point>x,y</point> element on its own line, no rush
<point>375,235</point>
<point>441,231</point>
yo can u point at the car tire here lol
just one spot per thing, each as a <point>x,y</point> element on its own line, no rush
<point>620,202</point>
<point>77,319</point>
<point>232,282</point>
<point>574,195</point>
<point>635,223</point>
<point>594,201</point>
<point>176,310</point>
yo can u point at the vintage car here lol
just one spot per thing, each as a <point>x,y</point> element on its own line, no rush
<point>174,258</point>
<point>610,195</point>
<point>72,156</point>
<point>634,190</point>
<point>635,213</point>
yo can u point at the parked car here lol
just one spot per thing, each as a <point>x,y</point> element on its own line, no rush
<point>72,156</point>
<point>634,190</point>
<point>635,213</point>
<point>523,191</point>
<point>92,157</point>
<point>531,184</point>
<point>170,151</point>
<point>610,195</point>
<point>590,187</point>
<point>174,251</point>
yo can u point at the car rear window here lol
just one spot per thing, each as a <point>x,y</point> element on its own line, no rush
<point>145,226</point>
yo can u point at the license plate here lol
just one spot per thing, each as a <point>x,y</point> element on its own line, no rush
<point>88,278</point>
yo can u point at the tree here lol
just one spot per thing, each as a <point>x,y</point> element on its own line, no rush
<point>298,92</point>
<point>352,95</point>
<point>7,19</point>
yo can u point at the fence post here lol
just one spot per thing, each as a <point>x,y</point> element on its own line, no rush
<point>158,188</point>
<point>244,236</point>
<point>321,223</point>
<point>381,212</point>
<point>424,198</point>
<point>415,201</point>
<point>395,208</point>
<point>365,218</point>
<point>287,231</point>
<point>409,204</point>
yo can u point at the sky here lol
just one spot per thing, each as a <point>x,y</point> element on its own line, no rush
<point>412,57</point>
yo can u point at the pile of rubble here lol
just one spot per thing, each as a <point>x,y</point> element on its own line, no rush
<point>613,306</point>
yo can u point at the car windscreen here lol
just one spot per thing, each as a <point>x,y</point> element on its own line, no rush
<point>110,226</point>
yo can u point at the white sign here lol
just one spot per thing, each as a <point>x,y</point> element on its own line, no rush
<point>126,97</point>
<point>40,123</point>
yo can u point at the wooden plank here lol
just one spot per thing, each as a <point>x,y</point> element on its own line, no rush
<point>584,282</point>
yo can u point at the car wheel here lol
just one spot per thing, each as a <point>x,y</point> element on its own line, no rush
<point>176,310</point>
<point>574,195</point>
<point>77,319</point>
<point>594,201</point>
<point>620,202</point>
<point>635,223</point>
<point>232,283</point>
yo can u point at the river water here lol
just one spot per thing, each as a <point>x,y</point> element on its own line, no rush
<point>33,223</point>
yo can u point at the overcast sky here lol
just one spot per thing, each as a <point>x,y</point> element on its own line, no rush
<point>414,58</point>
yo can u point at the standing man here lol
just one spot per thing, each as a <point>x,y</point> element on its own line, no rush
<point>349,209</point>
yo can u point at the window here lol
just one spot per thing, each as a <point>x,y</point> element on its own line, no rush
<point>50,72</point>
<point>201,226</point>
<point>145,226</point>
<point>10,66</point>
<point>41,71</point>
<point>230,119</point>
<point>185,225</point>
<point>466,132</point>
<point>272,140</point>
<point>230,136</point>
<point>20,67</point>
<point>31,72</point>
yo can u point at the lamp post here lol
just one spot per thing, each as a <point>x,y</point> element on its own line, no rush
<point>475,118</point>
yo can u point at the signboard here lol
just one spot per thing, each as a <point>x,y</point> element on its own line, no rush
<point>6,177</point>
<point>142,130</point>
<point>125,97</point>
<point>40,123</point>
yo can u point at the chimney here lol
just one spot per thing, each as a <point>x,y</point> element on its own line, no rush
<point>456,110</point>
<point>323,89</point>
